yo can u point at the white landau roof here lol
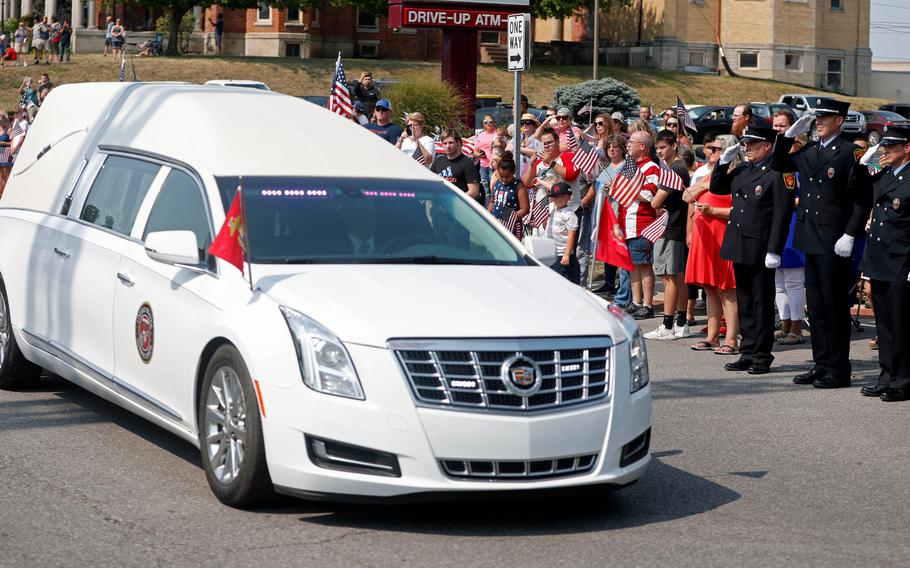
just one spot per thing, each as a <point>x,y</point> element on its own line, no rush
<point>216,131</point>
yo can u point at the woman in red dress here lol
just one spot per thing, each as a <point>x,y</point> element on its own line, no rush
<point>705,267</point>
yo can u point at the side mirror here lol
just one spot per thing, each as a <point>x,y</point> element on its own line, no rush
<point>172,247</point>
<point>541,248</point>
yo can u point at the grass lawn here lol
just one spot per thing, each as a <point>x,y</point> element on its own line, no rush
<point>313,77</point>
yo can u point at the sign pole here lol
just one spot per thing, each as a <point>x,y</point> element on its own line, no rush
<point>516,139</point>
<point>518,60</point>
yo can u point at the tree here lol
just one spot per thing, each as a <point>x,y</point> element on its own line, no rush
<point>538,8</point>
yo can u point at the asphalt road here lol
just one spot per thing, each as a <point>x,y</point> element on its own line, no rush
<point>748,471</point>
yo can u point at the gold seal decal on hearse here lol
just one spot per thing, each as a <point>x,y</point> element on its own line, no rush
<point>145,332</point>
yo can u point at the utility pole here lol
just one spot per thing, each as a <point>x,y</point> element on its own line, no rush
<point>596,36</point>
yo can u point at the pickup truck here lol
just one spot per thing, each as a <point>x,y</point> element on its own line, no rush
<point>854,124</point>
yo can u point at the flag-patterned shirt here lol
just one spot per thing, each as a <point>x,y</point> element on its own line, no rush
<point>641,214</point>
<point>565,159</point>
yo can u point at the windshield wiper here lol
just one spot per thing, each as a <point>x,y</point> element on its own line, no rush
<point>427,259</point>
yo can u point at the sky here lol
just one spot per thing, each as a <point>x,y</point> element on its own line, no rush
<point>889,33</point>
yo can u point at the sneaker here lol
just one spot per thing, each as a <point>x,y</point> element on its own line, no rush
<point>700,305</point>
<point>632,308</point>
<point>644,312</point>
<point>661,333</point>
<point>681,331</point>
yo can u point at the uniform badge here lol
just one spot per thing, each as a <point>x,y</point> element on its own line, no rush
<point>758,190</point>
<point>857,154</point>
<point>830,173</point>
<point>145,332</point>
<point>896,204</point>
<point>790,181</point>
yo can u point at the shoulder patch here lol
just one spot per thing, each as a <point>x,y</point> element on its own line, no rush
<point>790,180</point>
<point>857,154</point>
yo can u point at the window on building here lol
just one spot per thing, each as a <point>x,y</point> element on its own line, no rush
<point>793,62</point>
<point>292,50</point>
<point>369,48</point>
<point>293,15</point>
<point>314,19</point>
<point>697,58</point>
<point>837,5</point>
<point>489,38</point>
<point>748,60</point>
<point>834,77</point>
<point>265,12</point>
<point>367,20</point>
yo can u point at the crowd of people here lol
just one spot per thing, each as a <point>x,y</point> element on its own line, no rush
<point>50,38</point>
<point>766,233</point>
<point>14,125</point>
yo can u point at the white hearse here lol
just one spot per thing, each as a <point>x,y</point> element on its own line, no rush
<point>386,339</point>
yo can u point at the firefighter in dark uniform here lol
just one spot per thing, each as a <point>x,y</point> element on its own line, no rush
<point>832,212</point>
<point>886,261</point>
<point>755,237</point>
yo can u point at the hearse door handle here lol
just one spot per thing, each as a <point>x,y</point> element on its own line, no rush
<point>62,253</point>
<point>125,278</point>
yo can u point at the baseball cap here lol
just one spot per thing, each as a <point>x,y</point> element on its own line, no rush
<point>384,103</point>
<point>358,106</point>
<point>560,188</point>
<point>617,116</point>
<point>564,111</point>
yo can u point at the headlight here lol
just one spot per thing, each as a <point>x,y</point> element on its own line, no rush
<point>324,362</point>
<point>639,356</point>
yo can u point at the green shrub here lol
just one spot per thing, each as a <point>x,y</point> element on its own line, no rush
<point>439,102</point>
<point>609,96</point>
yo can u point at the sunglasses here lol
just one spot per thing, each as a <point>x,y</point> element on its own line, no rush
<point>712,148</point>
<point>562,118</point>
<point>527,122</point>
<point>550,143</point>
<point>672,125</point>
<point>414,124</point>
<point>380,109</point>
<point>598,123</point>
<point>489,122</point>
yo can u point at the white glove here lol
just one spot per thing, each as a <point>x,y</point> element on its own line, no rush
<point>908,277</point>
<point>729,153</point>
<point>801,126</point>
<point>772,260</point>
<point>867,157</point>
<point>844,246</point>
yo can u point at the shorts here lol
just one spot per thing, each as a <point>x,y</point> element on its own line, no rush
<point>218,40</point>
<point>107,41</point>
<point>641,250</point>
<point>21,47</point>
<point>669,257</point>
<point>117,42</point>
<point>40,44</point>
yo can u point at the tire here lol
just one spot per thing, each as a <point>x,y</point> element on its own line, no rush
<point>231,443</point>
<point>874,138</point>
<point>16,372</point>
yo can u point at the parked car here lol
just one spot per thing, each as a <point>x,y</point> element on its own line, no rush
<point>356,353</point>
<point>484,101</point>
<point>854,124</point>
<point>710,118</point>
<point>239,83</point>
<point>763,113</point>
<point>902,109</point>
<point>318,100</point>
<point>876,120</point>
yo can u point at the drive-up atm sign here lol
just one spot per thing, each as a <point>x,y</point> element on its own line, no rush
<point>519,27</point>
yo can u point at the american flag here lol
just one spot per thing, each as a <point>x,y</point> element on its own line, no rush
<point>467,145</point>
<point>540,214</point>
<point>627,184</point>
<point>586,158</point>
<point>122,69</point>
<point>682,115</point>
<point>340,97</point>
<point>657,227</point>
<point>513,223</point>
<point>669,179</point>
<point>5,156</point>
<point>588,108</point>
<point>572,140</point>
<point>16,130</point>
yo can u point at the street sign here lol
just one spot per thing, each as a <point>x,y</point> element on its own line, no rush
<point>519,42</point>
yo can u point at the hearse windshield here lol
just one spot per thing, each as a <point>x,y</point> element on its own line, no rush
<point>360,221</point>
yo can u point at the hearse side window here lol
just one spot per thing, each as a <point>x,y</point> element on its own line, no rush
<point>117,193</point>
<point>180,207</point>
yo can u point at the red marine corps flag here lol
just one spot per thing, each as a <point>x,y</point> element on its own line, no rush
<point>230,242</point>
<point>611,242</point>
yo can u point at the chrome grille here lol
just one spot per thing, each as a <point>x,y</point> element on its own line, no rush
<point>517,470</point>
<point>467,374</point>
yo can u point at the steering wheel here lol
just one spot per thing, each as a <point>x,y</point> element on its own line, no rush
<point>403,242</point>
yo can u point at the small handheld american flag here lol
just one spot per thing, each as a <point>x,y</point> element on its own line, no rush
<point>682,115</point>
<point>657,227</point>
<point>668,179</point>
<point>340,96</point>
<point>586,158</point>
<point>513,223</point>
<point>122,69</point>
<point>467,145</point>
<point>540,214</point>
<point>628,184</point>
<point>571,139</point>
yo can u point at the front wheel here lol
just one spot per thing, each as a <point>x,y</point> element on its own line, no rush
<point>230,433</point>
<point>16,372</point>
<point>874,138</point>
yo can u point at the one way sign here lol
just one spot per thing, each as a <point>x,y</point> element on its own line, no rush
<point>519,44</point>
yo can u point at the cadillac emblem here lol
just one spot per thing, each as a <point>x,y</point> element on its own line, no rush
<point>520,375</point>
<point>145,332</point>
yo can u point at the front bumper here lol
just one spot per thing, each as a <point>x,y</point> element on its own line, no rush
<point>421,438</point>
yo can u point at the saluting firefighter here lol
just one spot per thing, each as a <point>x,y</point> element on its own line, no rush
<point>832,212</point>
<point>886,261</point>
<point>755,237</point>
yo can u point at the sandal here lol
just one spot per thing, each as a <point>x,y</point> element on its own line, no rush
<point>726,350</point>
<point>704,345</point>
<point>791,339</point>
<point>779,334</point>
